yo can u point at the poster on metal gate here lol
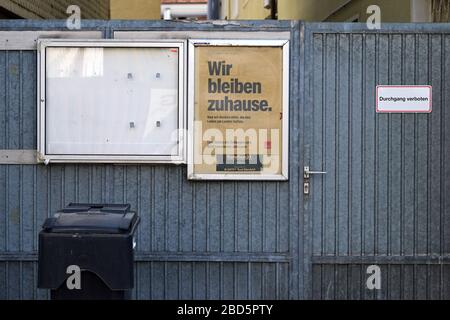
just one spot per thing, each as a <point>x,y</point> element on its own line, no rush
<point>239,112</point>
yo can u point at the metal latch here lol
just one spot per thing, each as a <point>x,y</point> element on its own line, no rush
<point>306,175</point>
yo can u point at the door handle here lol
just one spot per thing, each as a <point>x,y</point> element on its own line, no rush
<point>306,175</point>
<point>307,172</point>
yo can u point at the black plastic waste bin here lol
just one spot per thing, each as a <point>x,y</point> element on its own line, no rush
<point>95,240</point>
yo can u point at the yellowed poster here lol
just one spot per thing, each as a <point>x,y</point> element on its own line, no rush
<point>238,114</point>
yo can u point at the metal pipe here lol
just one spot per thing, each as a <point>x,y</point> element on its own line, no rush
<point>213,9</point>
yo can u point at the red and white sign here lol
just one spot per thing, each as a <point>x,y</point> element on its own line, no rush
<point>404,99</point>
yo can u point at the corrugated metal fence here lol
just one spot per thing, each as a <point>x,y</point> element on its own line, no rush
<point>385,198</point>
<point>196,240</point>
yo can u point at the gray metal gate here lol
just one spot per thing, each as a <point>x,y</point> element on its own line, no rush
<point>385,198</point>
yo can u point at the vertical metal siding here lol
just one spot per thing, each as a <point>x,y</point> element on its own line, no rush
<point>384,200</point>
<point>154,279</point>
<point>196,240</point>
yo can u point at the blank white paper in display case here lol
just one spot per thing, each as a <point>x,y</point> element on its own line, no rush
<point>112,101</point>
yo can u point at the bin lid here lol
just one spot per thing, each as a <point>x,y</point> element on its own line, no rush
<point>92,218</point>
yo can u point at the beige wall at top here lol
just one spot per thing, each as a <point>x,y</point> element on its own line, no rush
<point>243,10</point>
<point>136,9</point>
<point>308,10</point>
<point>391,11</point>
<point>343,10</point>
